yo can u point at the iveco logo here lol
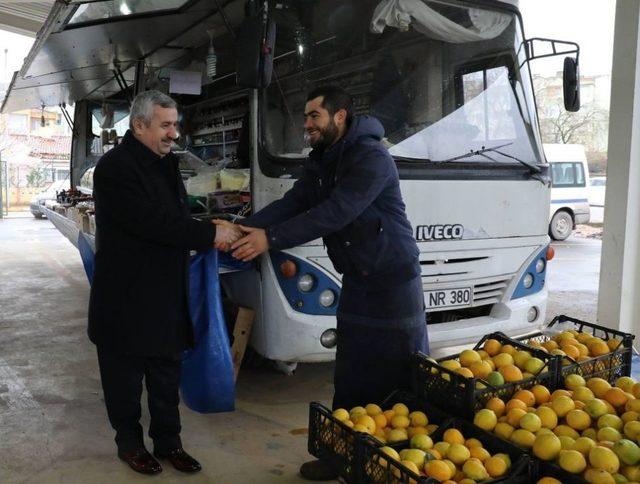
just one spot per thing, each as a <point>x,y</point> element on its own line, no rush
<point>439,232</point>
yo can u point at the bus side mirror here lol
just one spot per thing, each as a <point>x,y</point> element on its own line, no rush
<point>571,84</point>
<point>254,52</point>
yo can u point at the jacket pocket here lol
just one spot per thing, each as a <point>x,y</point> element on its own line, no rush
<point>368,247</point>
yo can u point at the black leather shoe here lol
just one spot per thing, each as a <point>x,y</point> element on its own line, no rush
<point>318,470</point>
<point>141,461</point>
<point>180,460</point>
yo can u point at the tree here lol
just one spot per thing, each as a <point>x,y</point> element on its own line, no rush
<point>567,127</point>
<point>36,177</point>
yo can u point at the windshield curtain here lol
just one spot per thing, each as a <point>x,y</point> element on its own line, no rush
<point>442,77</point>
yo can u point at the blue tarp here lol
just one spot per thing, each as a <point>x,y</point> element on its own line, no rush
<point>207,383</point>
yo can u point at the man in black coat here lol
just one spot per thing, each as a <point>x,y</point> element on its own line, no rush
<point>349,194</point>
<point>138,311</point>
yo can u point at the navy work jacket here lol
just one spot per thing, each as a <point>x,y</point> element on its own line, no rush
<point>349,194</point>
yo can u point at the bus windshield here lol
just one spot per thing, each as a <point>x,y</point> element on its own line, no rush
<point>442,76</point>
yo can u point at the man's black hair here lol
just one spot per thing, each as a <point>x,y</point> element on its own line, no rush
<point>334,98</point>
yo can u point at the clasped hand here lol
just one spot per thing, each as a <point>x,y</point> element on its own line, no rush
<point>247,243</point>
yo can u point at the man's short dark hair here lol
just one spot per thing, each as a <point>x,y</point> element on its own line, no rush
<point>334,98</point>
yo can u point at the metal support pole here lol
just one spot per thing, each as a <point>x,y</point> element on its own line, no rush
<point>1,190</point>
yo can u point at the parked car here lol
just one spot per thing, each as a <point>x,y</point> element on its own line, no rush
<point>569,193</point>
<point>38,201</point>
<point>597,188</point>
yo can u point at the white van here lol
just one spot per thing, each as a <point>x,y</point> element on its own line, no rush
<point>569,188</point>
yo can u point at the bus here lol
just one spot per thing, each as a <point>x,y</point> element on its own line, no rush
<point>449,80</point>
<point>569,188</point>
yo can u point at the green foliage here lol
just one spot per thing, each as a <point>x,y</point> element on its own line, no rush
<point>36,177</point>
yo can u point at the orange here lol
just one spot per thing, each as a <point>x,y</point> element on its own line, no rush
<point>514,415</point>
<point>584,351</point>
<point>578,419</point>
<point>515,403</point>
<point>479,453</point>
<point>613,344</point>
<point>560,393</point>
<point>508,349</point>
<point>492,347</point>
<point>616,397</point>
<point>562,405</point>
<point>526,396</point>
<point>471,443</point>
<point>497,406</point>
<point>380,420</point>
<point>598,348</point>
<point>511,373</point>
<point>495,466</point>
<point>481,369</point>
<point>453,436</point>
<point>389,414</point>
<point>465,372</point>
<point>436,455</point>
<point>571,351</point>
<point>541,394</point>
<point>598,386</point>
<point>438,469</point>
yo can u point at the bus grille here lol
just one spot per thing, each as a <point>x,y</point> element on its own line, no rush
<point>489,292</point>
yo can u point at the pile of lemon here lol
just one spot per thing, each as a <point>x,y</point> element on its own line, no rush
<point>393,425</point>
<point>452,460</point>
<point>496,363</point>
<point>589,428</point>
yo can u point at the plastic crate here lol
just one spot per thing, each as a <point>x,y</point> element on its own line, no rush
<point>540,468</point>
<point>462,396</point>
<point>393,472</point>
<point>610,366</point>
<point>333,441</point>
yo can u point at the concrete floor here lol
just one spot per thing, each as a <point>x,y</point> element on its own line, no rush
<point>53,425</point>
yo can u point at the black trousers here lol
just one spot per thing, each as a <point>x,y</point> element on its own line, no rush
<point>122,377</point>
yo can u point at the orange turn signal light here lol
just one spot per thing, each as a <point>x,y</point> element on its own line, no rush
<point>551,252</point>
<point>288,269</point>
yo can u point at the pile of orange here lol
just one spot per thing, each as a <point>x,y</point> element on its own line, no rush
<point>495,363</point>
<point>393,425</point>
<point>576,345</point>
<point>589,428</point>
<point>454,459</point>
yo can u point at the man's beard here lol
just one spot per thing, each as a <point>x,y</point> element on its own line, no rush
<point>327,136</point>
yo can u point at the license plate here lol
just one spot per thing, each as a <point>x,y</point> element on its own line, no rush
<point>448,298</point>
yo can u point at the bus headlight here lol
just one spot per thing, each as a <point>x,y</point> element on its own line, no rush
<point>327,298</point>
<point>532,314</point>
<point>540,265</point>
<point>329,338</point>
<point>306,282</point>
<point>527,281</point>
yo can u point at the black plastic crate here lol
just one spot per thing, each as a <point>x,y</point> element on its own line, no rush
<point>395,473</point>
<point>611,366</point>
<point>332,440</point>
<point>540,468</point>
<point>463,396</point>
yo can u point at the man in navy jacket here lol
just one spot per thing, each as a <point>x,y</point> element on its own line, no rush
<point>349,194</point>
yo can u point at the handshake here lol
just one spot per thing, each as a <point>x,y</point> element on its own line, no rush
<point>247,243</point>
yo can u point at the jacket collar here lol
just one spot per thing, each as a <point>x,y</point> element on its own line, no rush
<point>139,150</point>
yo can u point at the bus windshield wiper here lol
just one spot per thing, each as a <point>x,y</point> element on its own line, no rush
<point>408,159</point>
<point>495,149</point>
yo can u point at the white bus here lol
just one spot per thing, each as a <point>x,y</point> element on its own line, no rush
<point>569,188</point>
<point>448,79</point>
